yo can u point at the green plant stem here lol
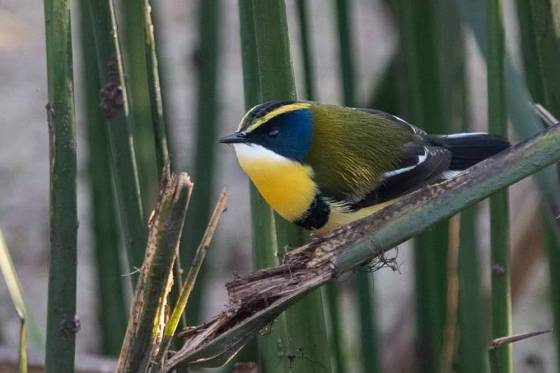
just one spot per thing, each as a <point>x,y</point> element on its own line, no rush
<point>306,48</point>
<point>417,22</point>
<point>62,323</point>
<point>207,108</point>
<point>500,358</point>
<point>473,349</point>
<point>112,310</point>
<point>345,52</point>
<point>365,290</point>
<point>154,91</point>
<point>306,324</point>
<point>552,245</point>
<point>114,108</point>
<point>368,326</point>
<point>275,346</point>
<point>336,337</point>
<point>274,80</point>
<point>544,18</point>
<point>331,295</point>
<point>541,48</point>
<point>134,53</point>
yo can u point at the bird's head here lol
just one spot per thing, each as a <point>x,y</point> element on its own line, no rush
<point>275,129</point>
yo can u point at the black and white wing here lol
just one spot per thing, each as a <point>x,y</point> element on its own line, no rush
<point>421,165</point>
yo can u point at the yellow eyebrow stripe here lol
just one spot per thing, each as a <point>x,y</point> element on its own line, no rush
<point>281,110</point>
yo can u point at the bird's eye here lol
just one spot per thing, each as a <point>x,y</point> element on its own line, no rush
<point>273,132</point>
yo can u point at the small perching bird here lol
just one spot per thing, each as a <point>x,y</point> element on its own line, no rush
<point>322,166</point>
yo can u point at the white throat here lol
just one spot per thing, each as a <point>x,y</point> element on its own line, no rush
<point>253,152</point>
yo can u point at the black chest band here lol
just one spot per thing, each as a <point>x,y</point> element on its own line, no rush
<point>316,216</point>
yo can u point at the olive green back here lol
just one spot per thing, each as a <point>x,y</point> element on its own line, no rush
<point>351,149</point>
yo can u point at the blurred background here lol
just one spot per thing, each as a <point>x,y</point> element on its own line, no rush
<point>24,183</point>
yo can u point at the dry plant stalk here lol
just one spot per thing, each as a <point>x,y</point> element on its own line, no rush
<point>190,280</point>
<point>145,325</point>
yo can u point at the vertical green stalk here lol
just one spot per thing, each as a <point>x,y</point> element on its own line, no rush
<point>422,72</point>
<point>163,85</point>
<point>472,334</point>
<point>544,20</point>
<point>552,244</point>
<point>330,294</point>
<point>473,348</point>
<point>134,52</point>
<point>114,108</point>
<point>368,326</point>
<point>62,323</point>
<point>345,52</point>
<point>365,289</point>
<point>273,348</point>
<point>306,49</point>
<point>306,324</point>
<point>336,336</point>
<point>154,91</point>
<point>529,49</point>
<point>268,76</point>
<point>112,310</point>
<point>209,21</point>
<point>541,51</point>
<point>500,358</point>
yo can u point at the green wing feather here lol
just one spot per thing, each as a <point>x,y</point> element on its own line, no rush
<point>352,149</point>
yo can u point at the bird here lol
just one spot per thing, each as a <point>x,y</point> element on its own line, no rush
<point>322,166</point>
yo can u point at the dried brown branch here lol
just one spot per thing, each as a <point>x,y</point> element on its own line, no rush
<point>190,280</point>
<point>145,325</point>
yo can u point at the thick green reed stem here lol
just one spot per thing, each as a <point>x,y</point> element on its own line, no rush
<point>306,49</point>
<point>62,323</point>
<point>114,107</point>
<point>273,348</point>
<point>541,51</point>
<point>209,21</point>
<point>134,53</point>
<point>473,346</point>
<point>274,78</point>
<point>365,288</point>
<point>500,358</point>
<point>112,309</point>
<point>154,90</point>
<point>420,51</point>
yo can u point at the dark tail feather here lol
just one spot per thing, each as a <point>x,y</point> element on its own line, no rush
<point>469,148</point>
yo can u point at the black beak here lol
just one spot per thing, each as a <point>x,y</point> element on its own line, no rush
<point>234,138</point>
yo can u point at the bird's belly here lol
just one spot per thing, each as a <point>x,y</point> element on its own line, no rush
<point>340,216</point>
<point>286,185</point>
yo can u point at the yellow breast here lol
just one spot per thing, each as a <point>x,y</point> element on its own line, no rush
<point>286,185</point>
